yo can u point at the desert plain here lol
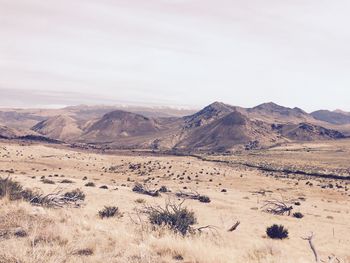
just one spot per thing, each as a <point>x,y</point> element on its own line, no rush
<point>238,187</point>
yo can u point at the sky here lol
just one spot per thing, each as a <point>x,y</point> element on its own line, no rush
<point>184,53</point>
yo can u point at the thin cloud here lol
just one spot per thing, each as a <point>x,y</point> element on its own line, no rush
<point>185,52</point>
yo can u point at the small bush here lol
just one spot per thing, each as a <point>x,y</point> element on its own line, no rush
<point>104,187</point>
<point>66,181</point>
<point>298,215</point>
<point>163,189</point>
<point>140,201</point>
<point>20,233</point>
<point>47,181</point>
<point>173,216</point>
<point>10,188</point>
<point>75,194</point>
<point>139,188</point>
<point>204,199</point>
<point>193,196</point>
<point>178,257</point>
<point>84,252</point>
<point>277,232</point>
<point>13,190</point>
<point>109,211</point>
<point>90,184</point>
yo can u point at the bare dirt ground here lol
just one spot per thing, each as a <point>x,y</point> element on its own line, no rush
<point>237,193</point>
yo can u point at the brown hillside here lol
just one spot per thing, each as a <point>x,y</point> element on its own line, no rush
<point>307,132</point>
<point>120,124</point>
<point>60,127</point>
<point>226,132</point>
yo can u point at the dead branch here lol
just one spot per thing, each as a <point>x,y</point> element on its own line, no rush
<point>142,189</point>
<point>332,259</point>
<point>234,227</point>
<point>261,192</point>
<point>209,227</point>
<point>277,207</point>
<point>55,200</point>
<point>309,239</point>
<point>194,195</point>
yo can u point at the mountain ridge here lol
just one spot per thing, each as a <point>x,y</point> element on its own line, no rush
<point>216,127</point>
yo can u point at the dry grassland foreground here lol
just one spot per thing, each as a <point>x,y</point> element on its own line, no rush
<point>61,205</point>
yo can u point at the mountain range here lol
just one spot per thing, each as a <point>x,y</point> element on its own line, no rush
<point>218,127</point>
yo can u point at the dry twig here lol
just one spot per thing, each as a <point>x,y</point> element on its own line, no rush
<point>277,207</point>
<point>234,227</point>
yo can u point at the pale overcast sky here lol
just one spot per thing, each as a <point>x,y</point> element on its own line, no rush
<point>175,52</point>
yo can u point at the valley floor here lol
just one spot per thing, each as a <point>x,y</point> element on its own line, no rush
<point>237,193</point>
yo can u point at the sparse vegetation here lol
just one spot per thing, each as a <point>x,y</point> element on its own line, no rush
<point>90,184</point>
<point>46,234</point>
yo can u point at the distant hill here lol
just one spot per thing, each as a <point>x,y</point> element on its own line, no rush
<point>13,134</point>
<point>27,118</point>
<point>60,127</point>
<point>208,114</point>
<point>217,127</point>
<point>6,132</point>
<point>333,117</point>
<point>18,118</point>
<point>227,131</point>
<point>307,132</point>
<point>271,112</point>
<point>120,124</point>
<point>89,112</point>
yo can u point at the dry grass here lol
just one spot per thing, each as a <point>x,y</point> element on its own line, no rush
<point>78,234</point>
